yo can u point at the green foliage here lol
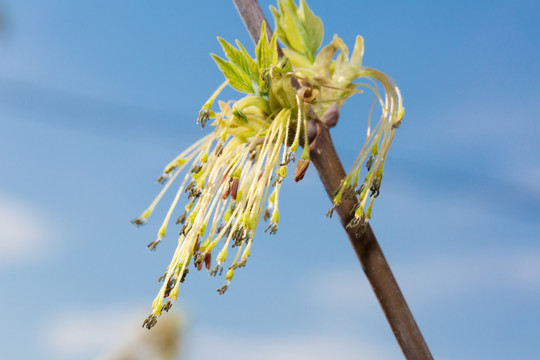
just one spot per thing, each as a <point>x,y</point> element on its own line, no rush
<point>237,69</point>
<point>243,72</point>
<point>265,51</point>
<point>300,30</point>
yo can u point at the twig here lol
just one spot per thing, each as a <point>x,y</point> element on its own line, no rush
<point>252,16</point>
<point>330,170</point>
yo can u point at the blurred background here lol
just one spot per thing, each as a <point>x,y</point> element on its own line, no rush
<point>96,97</point>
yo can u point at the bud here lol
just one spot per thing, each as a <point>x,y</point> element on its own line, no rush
<point>234,187</point>
<point>226,191</point>
<point>207,260</point>
<point>301,169</point>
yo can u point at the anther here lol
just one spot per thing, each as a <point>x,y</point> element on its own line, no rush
<point>369,162</point>
<point>219,149</point>
<point>153,245</point>
<point>184,274</point>
<point>181,219</point>
<point>222,289</point>
<point>204,115</point>
<point>150,322</point>
<point>138,222</point>
<point>167,306</point>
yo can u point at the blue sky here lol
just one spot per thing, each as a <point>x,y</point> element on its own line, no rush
<point>96,97</point>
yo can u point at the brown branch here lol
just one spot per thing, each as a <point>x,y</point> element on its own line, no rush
<point>252,16</point>
<point>330,170</point>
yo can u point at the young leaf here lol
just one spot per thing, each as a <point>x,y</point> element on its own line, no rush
<point>314,27</point>
<point>266,54</point>
<point>244,64</point>
<point>272,50</point>
<point>279,25</point>
<point>298,60</point>
<point>237,78</point>
<point>298,28</point>
<point>252,65</point>
<point>293,28</point>
<point>235,56</point>
<point>261,51</point>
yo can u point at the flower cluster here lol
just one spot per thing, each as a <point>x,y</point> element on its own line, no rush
<point>333,73</point>
<point>232,177</point>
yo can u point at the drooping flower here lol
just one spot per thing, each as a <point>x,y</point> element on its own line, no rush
<point>232,177</point>
<point>333,74</point>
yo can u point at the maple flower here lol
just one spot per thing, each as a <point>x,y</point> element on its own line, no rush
<point>333,74</point>
<point>233,176</point>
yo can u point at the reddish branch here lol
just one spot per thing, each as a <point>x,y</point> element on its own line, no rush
<point>367,249</point>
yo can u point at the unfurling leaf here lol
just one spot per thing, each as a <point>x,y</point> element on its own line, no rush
<point>237,78</point>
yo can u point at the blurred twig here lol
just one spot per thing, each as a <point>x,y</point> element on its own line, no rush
<point>164,342</point>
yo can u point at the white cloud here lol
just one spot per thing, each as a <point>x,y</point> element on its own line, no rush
<point>116,333</point>
<point>24,231</point>
<point>434,280</point>
<point>77,333</point>
<point>321,346</point>
<point>110,333</point>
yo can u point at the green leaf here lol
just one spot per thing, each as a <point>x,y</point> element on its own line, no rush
<point>252,65</point>
<point>272,50</point>
<point>279,23</point>
<point>297,60</point>
<point>235,56</point>
<point>261,50</point>
<point>293,28</point>
<point>266,54</point>
<point>237,78</point>
<point>298,28</point>
<point>246,68</point>
<point>313,25</point>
